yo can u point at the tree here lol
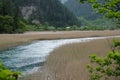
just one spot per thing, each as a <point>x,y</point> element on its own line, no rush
<point>16,18</point>
<point>106,68</point>
<point>11,20</point>
<point>7,7</point>
<point>6,74</point>
<point>6,24</point>
<point>0,6</point>
<point>110,8</point>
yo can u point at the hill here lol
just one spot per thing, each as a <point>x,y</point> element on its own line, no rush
<point>14,14</point>
<point>50,11</point>
<point>83,10</point>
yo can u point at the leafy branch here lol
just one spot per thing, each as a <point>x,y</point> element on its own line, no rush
<point>6,74</point>
<point>107,67</point>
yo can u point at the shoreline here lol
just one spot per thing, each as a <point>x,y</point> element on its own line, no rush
<point>11,40</point>
<point>53,58</point>
<point>68,62</point>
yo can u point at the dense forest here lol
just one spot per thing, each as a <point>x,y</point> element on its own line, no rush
<point>90,18</point>
<point>14,14</point>
<point>17,16</point>
<point>83,10</point>
<point>53,12</point>
<point>11,20</point>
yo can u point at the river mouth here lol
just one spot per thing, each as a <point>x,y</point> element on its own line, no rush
<point>29,57</point>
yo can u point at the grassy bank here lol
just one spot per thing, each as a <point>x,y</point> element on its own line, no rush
<point>68,62</point>
<point>9,40</point>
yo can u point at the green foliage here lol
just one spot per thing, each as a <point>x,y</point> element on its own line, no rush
<point>98,24</point>
<point>6,24</point>
<point>50,11</point>
<point>110,8</point>
<point>10,18</point>
<point>92,28</point>
<point>6,7</point>
<point>116,43</point>
<point>46,25</point>
<point>6,74</point>
<point>51,28</point>
<point>83,10</point>
<point>20,27</point>
<point>0,7</point>
<point>107,67</point>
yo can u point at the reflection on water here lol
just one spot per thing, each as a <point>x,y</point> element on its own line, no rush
<point>28,57</point>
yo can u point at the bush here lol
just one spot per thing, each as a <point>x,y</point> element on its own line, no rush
<point>107,67</point>
<point>6,24</point>
<point>6,74</point>
<point>21,27</point>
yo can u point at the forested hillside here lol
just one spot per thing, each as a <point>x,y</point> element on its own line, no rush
<point>14,14</point>
<point>90,18</point>
<point>50,11</point>
<point>11,20</point>
<point>83,10</point>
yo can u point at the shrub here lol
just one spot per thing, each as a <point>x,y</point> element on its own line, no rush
<point>6,74</point>
<point>107,67</point>
<point>21,27</point>
<point>6,24</point>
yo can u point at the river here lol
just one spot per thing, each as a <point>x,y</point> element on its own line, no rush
<point>28,58</point>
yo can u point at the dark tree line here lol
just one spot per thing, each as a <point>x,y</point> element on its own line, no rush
<point>10,18</point>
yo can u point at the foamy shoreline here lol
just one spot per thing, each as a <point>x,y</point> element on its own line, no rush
<point>10,40</point>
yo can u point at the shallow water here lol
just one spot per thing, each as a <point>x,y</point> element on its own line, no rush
<point>28,58</point>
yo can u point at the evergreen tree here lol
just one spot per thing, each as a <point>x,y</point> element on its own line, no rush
<point>10,17</point>
<point>7,7</point>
